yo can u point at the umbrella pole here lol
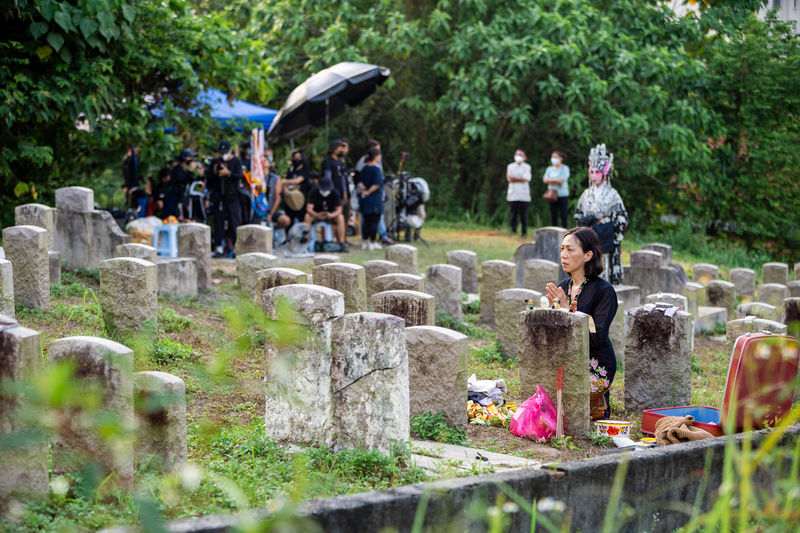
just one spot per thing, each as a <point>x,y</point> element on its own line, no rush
<point>291,143</point>
<point>327,117</point>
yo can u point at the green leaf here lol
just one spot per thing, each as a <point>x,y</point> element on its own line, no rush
<point>106,19</point>
<point>94,6</point>
<point>64,20</point>
<point>55,40</point>
<point>20,189</point>
<point>88,27</point>
<point>128,12</point>
<point>48,9</point>
<point>66,55</point>
<point>38,29</point>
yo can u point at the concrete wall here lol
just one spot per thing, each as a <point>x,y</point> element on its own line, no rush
<point>654,478</point>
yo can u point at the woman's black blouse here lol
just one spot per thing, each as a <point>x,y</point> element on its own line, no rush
<point>598,300</point>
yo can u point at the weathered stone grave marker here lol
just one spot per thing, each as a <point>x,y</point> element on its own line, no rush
<point>722,294</point>
<point>703,273</point>
<point>744,280</point>
<point>376,268</point>
<point>160,407</point>
<point>658,359</point>
<point>416,308</point>
<point>443,282</point>
<point>275,277</point>
<point>253,238</point>
<point>775,273</point>
<point>398,282</point>
<point>467,261</point>
<point>348,279</point>
<point>194,240</point>
<point>496,276</point>
<point>177,276</point>
<point>139,251</point>
<point>7,288</point>
<point>26,248</point>
<point>128,296</point>
<point>751,324</point>
<point>246,267</point>
<point>538,273</point>
<point>437,361</point>
<point>508,304</point>
<point>405,256</point>
<point>324,259</point>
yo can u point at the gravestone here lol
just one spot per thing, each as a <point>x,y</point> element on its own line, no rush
<point>664,249</point>
<point>6,288</point>
<point>160,408</point>
<point>139,251</point>
<point>646,259</point>
<point>176,276</point>
<point>549,339</point>
<point>374,269</point>
<point>524,252</point>
<point>416,308</point>
<point>647,272</point>
<point>467,261</point>
<point>538,273</point>
<point>85,236</point>
<point>722,294</point>
<point>253,238</point>
<point>324,259</point>
<point>775,273</point>
<point>696,296</point>
<point>26,248</point>
<point>791,315</point>
<point>547,244</point>
<point>40,216</point>
<point>398,282</point>
<point>443,282</point>
<point>496,276</point>
<point>405,256</point>
<point>797,271</point>
<point>769,293</point>
<point>105,367</point>
<point>759,310</point>
<point>24,464</point>
<point>743,326</point>
<point>744,280</point>
<point>629,295</point>
<point>794,289</point>
<point>299,399</point>
<point>54,267</point>
<point>437,372</point>
<point>194,240</point>
<point>128,296</point>
<point>658,359</point>
<point>666,259</point>
<point>669,298</point>
<point>246,267</point>
<point>348,279</point>
<point>508,304</point>
<point>370,375</point>
<point>616,332</point>
<point>275,277</point>
<point>702,273</point>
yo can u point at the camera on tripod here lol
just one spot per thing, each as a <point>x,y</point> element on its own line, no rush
<point>404,209</point>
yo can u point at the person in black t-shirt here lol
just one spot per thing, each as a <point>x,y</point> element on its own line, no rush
<point>324,205</point>
<point>335,168</point>
<point>180,176</point>
<point>161,191</point>
<point>224,174</point>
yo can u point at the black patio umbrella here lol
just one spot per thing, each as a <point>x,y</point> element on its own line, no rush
<point>324,96</point>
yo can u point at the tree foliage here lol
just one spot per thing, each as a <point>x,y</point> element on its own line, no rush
<point>104,65</point>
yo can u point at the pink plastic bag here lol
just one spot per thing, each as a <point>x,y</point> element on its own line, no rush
<point>536,418</point>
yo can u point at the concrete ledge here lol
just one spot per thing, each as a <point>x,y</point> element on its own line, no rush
<point>655,478</point>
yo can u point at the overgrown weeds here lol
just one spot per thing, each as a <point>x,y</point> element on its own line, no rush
<point>430,426</point>
<point>473,332</point>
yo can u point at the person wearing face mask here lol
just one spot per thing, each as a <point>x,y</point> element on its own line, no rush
<point>180,176</point>
<point>224,176</point>
<point>555,177</point>
<point>371,205</point>
<point>324,205</point>
<point>600,207</point>
<point>335,168</point>
<point>518,175</point>
<point>295,187</point>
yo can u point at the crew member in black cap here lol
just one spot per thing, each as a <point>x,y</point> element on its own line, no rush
<point>325,205</point>
<point>180,176</point>
<point>225,173</point>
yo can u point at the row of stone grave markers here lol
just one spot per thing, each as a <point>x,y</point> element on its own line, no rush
<point>149,409</point>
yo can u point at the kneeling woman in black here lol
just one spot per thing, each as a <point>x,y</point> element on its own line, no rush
<point>582,260</point>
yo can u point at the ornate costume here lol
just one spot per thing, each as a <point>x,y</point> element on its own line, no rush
<point>600,207</point>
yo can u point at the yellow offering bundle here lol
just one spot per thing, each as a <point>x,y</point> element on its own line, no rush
<point>491,414</point>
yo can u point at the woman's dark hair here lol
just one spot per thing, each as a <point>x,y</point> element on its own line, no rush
<point>372,143</point>
<point>163,173</point>
<point>521,150</point>
<point>589,242</point>
<point>560,154</point>
<point>372,154</point>
<point>302,155</point>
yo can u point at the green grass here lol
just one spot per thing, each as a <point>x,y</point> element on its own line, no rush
<point>434,426</point>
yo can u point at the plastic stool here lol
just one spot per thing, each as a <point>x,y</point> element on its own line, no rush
<point>328,234</point>
<point>278,235</point>
<point>165,240</point>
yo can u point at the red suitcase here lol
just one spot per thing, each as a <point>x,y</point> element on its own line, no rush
<point>761,382</point>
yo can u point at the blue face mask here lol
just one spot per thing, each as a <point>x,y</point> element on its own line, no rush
<point>269,157</point>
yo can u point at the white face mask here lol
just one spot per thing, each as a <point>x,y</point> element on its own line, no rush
<point>324,193</point>
<point>227,157</point>
<point>554,161</point>
<point>519,158</point>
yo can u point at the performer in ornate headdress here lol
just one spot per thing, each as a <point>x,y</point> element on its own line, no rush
<point>600,208</point>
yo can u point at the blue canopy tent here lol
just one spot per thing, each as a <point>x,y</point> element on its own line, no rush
<point>223,111</point>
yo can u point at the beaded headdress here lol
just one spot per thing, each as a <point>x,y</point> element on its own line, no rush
<point>601,159</point>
